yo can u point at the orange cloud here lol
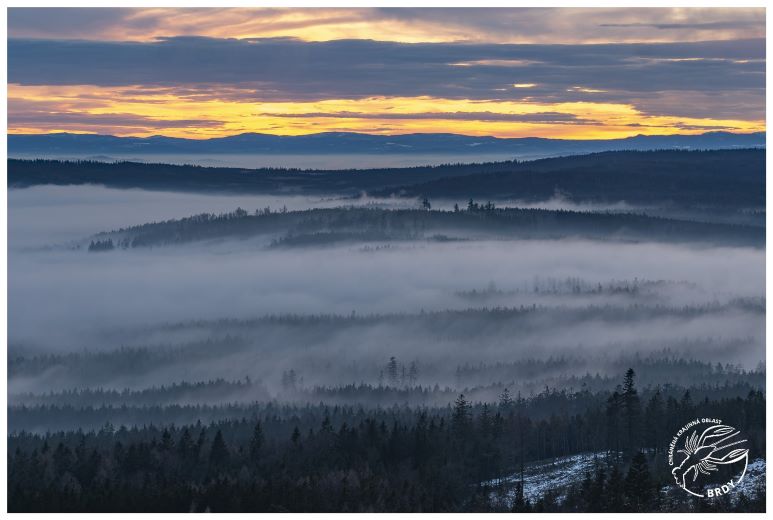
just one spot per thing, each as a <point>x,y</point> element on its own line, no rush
<point>143,111</point>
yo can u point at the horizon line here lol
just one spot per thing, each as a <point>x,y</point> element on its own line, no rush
<point>710,132</point>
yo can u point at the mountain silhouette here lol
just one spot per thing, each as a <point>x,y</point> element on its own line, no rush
<point>357,143</point>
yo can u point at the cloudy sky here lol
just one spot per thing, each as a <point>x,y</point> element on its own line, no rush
<point>568,73</point>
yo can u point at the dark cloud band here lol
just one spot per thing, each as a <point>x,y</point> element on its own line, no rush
<point>364,67</point>
<point>292,70</point>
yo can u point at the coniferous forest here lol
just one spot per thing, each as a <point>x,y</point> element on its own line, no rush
<point>343,458</point>
<point>520,336</point>
<point>386,259</point>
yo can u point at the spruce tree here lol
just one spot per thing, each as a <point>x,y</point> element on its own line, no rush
<point>595,497</point>
<point>256,442</point>
<point>653,417</point>
<point>505,400</point>
<point>632,410</point>
<point>615,491</point>
<point>639,489</point>
<point>218,455</point>
<point>461,416</point>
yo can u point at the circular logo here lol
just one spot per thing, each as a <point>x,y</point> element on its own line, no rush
<point>708,458</point>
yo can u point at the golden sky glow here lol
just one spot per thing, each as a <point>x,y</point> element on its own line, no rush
<point>575,73</point>
<point>384,115</point>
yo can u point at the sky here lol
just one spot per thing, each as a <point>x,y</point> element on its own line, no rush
<point>592,73</point>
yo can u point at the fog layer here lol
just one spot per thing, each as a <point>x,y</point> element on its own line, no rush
<point>555,298</point>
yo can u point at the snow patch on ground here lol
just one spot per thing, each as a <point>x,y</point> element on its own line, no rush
<point>754,479</point>
<point>558,474</point>
<point>544,476</point>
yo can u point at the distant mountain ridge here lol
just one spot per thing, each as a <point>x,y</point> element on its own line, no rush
<point>357,143</point>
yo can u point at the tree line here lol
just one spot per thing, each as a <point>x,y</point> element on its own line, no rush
<point>322,458</point>
<point>719,178</point>
<point>330,225</point>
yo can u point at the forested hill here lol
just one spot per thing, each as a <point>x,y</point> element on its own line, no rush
<point>24,173</point>
<point>475,222</point>
<point>718,178</point>
<point>724,178</point>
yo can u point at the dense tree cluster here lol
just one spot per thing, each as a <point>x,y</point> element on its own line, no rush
<point>203,392</point>
<point>101,245</point>
<point>149,363</point>
<point>122,174</point>
<point>351,224</point>
<point>720,178</point>
<point>322,458</point>
<point>725,178</point>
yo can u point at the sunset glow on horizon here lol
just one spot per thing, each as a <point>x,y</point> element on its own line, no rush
<point>186,73</point>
